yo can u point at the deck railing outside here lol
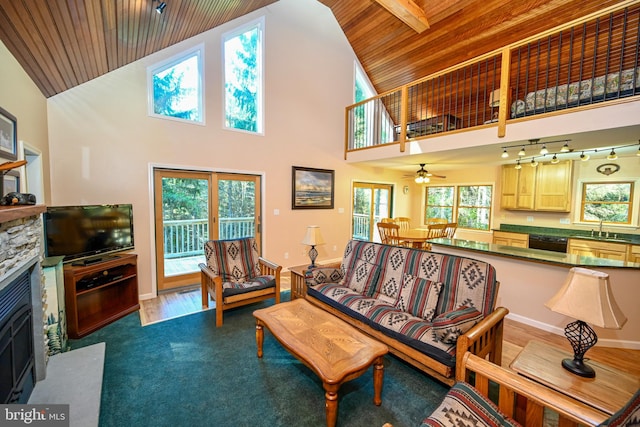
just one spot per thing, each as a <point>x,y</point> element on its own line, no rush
<point>580,63</point>
<point>185,238</point>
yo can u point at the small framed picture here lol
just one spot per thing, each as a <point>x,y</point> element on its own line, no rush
<point>11,182</point>
<point>8,136</point>
<point>312,188</point>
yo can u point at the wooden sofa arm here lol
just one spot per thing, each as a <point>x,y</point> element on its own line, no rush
<point>523,399</point>
<point>484,339</point>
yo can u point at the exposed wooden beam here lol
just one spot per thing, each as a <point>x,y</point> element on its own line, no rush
<point>408,12</point>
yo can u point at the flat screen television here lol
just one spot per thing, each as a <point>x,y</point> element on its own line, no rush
<point>85,234</point>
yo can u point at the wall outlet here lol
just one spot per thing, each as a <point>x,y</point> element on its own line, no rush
<point>286,255</point>
<point>276,211</point>
<point>565,221</point>
<point>340,210</point>
<point>529,219</point>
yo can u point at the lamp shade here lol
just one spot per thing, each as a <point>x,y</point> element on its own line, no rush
<point>586,295</point>
<point>313,236</point>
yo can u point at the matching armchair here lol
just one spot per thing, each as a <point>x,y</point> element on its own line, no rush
<point>235,275</point>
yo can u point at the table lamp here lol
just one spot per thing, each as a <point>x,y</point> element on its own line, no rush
<point>313,238</point>
<point>586,296</point>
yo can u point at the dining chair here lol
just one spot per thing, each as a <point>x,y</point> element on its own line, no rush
<point>450,230</point>
<point>388,220</point>
<point>403,222</point>
<point>437,221</point>
<point>389,233</point>
<point>435,231</point>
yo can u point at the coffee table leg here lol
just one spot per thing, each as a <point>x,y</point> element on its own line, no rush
<point>259,337</point>
<point>331,403</point>
<point>378,377</point>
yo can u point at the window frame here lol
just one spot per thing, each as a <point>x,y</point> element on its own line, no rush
<point>258,23</point>
<point>632,203</point>
<point>456,203</point>
<point>198,52</point>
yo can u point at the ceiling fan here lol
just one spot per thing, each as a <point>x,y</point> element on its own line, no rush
<point>423,176</point>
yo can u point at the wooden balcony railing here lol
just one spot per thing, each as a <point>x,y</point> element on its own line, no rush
<point>185,238</point>
<point>584,62</point>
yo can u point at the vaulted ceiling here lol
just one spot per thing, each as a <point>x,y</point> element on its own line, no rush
<point>64,43</point>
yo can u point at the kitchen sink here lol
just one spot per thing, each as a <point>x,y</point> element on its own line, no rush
<point>602,239</point>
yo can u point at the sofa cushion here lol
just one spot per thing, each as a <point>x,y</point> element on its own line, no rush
<point>418,296</point>
<point>260,282</point>
<point>628,415</point>
<point>463,405</point>
<point>361,277</point>
<point>234,260</point>
<point>447,327</point>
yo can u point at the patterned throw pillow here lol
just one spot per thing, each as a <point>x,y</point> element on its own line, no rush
<point>465,406</point>
<point>362,276</point>
<point>418,296</point>
<point>628,416</point>
<point>447,327</point>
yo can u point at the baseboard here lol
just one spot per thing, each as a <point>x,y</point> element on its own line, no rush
<point>629,345</point>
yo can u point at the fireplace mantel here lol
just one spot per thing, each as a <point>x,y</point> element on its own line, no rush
<point>9,213</point>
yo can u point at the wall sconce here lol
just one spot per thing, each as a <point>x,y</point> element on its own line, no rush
<point>313,238</point>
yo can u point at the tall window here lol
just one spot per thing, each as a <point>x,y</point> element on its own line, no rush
<point>609,202</point>
<point>176,88</point>
<point>242,51</point>
<point>468,205</point>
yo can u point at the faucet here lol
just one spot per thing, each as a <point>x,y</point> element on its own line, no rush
<point>600,229</point>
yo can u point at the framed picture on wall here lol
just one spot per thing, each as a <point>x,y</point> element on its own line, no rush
<point>312,188</point>
<point>8,136</point>
<point>11,182</point>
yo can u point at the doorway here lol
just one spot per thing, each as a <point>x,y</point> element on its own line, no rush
<point>371,203</point>
<point>192,207</point>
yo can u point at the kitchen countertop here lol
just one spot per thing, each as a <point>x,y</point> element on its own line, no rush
<point>535,255</point>
<point>615,237</point>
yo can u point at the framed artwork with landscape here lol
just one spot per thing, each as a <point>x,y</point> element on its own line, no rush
<point>312,188</point>
<point>8,138</point>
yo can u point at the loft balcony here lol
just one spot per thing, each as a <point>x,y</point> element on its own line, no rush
<point>584,66</point>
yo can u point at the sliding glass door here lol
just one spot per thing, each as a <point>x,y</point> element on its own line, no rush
<point>193,207</point>
<point>371,203</point>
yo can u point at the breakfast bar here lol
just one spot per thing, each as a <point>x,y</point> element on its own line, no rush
<point>530,277</point>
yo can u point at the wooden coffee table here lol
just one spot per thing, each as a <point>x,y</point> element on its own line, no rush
<point>336,351</point>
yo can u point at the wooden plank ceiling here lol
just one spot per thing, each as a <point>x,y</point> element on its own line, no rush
<point>63,43</point>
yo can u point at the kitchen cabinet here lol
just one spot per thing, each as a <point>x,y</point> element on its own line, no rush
<point>596,249</point>
<point>509,238</point>
<point>634,253</point>
<point>545,188</point>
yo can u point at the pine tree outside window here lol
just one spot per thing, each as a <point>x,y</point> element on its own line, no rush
<point>176,88</point>
<point>243,80</point>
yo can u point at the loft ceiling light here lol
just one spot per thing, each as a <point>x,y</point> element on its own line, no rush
<point>422,176</point>
<point>161,7</point>
<point>505,154</point>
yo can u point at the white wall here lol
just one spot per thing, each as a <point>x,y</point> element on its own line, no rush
<point>103,143</point>
<point>21,98</point>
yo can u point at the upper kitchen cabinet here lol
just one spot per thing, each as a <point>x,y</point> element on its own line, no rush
<point>546,187</point>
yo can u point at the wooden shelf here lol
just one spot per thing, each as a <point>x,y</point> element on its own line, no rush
<point>100,293</point>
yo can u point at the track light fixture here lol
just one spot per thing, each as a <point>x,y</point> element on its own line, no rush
<point>160,8</point>
<point>544,149</point>
<point>612,155</point>
<point>534,163</point>
<point>584,157</point>
<point>520,153</point>
<point>564,150</point>
<point>518,165</point>
<point>505,154</point>
<point>555,159</point>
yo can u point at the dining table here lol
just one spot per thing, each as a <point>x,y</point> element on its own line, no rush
<point>415,237</point>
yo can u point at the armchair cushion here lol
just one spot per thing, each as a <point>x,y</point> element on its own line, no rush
<point>465,406</point>
<point>260,282</point>
<point>447,327</point>
<point>235,261</point>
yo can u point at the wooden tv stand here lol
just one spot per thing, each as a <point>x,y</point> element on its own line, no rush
<point>99,293</point>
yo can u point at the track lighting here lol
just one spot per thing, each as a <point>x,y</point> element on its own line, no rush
<point>534,163</point>
<point>521,152</point>
<point>612,155</point>
<point>584,157</point>
<point>544,150</point>
<point>505,154</point>
<point>565,148</point>
<point>160,8</point>
<point>555,159</point>
<point>518,166</point>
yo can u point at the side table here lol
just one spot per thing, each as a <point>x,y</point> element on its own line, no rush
<point>298,289</point>
<point>609,391</point>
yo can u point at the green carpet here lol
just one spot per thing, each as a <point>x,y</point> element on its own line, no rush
<point>187,372</point>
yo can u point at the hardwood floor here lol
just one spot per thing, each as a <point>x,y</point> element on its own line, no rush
<point>516,335</point>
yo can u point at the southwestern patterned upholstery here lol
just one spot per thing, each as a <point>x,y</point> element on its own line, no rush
<point>399,291</point>
<point>583,92</point>
<point>236,275</point>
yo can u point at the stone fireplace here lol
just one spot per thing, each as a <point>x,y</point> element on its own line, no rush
<point>20,281</point>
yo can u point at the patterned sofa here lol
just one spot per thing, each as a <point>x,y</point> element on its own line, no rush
<point>429,308</point>
<point>583,92</point>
